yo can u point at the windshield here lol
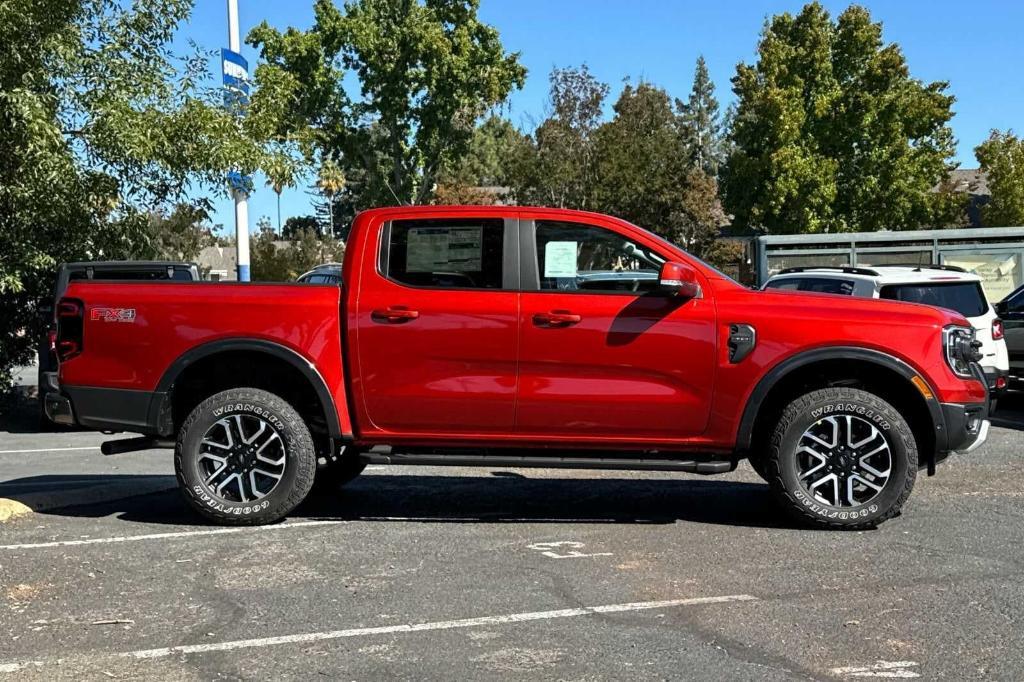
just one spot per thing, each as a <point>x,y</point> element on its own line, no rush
<point>966,298</point>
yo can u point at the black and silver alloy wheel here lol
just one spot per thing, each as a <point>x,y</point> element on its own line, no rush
<point>841,458</point>
<point>844,461</point>
<point>242,458</point>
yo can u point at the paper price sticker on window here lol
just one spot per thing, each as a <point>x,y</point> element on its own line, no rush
<point>560,259</point>
<point>444,249</point>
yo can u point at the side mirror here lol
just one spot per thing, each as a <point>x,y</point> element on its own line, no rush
<point>1000,307</point>
<point>676,279</point>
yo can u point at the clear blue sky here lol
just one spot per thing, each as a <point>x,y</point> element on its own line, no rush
<point>977,46</point>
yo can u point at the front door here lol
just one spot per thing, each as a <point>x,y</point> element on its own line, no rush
<point>604,355</point>
<point>437,318</point>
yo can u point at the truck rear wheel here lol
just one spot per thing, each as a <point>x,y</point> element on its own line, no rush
<point>842,458</point>
<point>244,457</point>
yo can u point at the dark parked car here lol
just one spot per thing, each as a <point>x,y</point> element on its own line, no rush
<point>328,273</point>
<point>125,271</point>
<point>1011,312</point>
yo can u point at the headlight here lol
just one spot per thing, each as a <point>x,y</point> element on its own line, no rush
<point>961,349</point>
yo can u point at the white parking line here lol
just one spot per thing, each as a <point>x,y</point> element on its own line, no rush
<point>886,669</point>
<point>386,630</point>
<point>163,536</point>
<point>18,452</point>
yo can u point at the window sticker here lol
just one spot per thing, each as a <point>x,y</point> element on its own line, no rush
<point>444,249</point>
<point>560,259</point>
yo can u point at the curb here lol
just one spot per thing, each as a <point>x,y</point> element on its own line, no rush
<point>12,509</point>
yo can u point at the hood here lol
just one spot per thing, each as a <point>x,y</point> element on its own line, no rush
<point>805,304</point>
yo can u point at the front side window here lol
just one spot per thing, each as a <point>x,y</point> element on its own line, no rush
<point>587,259</point>
<point>966,298</point>
<point>446,254</point>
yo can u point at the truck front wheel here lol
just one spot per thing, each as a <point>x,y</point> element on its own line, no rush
<point>244,457</point>
<point>842,458</point>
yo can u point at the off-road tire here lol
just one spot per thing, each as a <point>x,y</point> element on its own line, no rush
<point>781,462</point>
<point>757,462</point>
<point>338,470</point>
<point>300,458</point>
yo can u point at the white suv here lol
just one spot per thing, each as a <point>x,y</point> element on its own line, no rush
<point>944,286</point>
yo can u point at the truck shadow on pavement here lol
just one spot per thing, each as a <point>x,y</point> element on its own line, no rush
<point>505,497</point>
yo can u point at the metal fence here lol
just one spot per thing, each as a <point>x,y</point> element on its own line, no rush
<point>996,254</point>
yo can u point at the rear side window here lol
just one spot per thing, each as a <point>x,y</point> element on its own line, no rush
<point>445,254</point>
<point>966,298</point>
<point>820,285</point>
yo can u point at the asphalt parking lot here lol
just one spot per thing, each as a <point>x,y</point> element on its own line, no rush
<point>426,573</point>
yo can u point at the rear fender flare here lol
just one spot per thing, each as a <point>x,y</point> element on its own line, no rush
<point>159,412</point>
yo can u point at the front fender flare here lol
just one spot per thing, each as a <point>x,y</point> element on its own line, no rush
<point>745,433</point>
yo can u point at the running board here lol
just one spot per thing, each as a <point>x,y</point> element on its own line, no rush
<point>549,461</point>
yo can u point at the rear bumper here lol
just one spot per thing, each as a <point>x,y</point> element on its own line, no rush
<point>108,409</point>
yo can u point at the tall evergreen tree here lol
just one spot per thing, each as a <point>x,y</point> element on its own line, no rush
<point>700,122</point>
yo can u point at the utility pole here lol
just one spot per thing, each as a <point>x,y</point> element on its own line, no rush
<point>238,191</point>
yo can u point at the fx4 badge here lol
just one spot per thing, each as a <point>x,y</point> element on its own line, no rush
<point>113,314</point>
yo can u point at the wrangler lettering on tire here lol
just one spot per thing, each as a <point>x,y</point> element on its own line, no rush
<point>841,458</point>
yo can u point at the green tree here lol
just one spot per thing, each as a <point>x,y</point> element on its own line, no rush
<point>100,125</point>
<point>641,164</point>
<point>178,235</point>
<point>296,224</point>
<point>308,250</point>
<point>427,71</point>
<point>831,132</point>
<point>698,219</point>
<point>556,165</point>
<point>278,260</point>
<point>271,261</point>
<point>1002,157</point>
<point>700,121</point>
<point>485,164</point>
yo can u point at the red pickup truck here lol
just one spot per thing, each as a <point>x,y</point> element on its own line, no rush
<point>510,336</point>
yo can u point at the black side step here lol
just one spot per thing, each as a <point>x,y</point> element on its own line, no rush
<point>549,461</point>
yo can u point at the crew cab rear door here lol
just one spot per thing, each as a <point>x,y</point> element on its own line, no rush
<point>604,354</point>
<point>436,325</point>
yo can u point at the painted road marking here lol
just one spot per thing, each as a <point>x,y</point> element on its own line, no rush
<point>885,669</point>
<point>18,452</point>
<point>548,550</point>
<point>308,637</point>
<point>163,536</point>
